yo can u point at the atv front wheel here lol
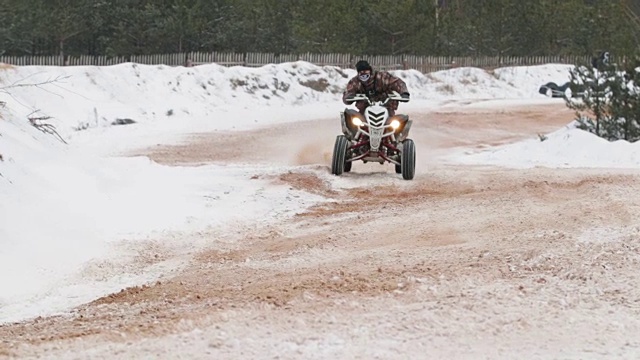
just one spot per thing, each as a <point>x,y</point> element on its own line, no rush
<point>338,163</point>
<point>347,165</point>
<point>408,159</point>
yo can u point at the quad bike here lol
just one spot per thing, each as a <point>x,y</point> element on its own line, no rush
<point>375,136</point>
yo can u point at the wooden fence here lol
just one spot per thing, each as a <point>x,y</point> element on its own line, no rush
<point>387,62</point>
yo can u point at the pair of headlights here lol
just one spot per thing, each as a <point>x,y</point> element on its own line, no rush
<point>395,124</point>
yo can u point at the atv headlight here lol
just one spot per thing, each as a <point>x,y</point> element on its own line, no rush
<point>395,124</point>
<point>357,121</point>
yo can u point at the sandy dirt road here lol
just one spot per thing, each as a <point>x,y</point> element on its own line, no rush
<point>472,262</point>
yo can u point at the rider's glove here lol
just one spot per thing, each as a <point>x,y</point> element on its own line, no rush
<point>405,95</point>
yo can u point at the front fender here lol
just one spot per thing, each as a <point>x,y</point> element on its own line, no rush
<point>404,133</point>
<point>348,129</point>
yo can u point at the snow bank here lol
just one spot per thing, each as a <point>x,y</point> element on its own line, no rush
<point>568,147</point>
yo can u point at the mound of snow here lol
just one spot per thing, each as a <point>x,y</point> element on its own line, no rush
<point>78,98</point>
<point>84,97</point>
<point>528,79</point>
<point>568,147</point>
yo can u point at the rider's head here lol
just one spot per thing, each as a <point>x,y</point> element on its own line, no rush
<point>365,72</point>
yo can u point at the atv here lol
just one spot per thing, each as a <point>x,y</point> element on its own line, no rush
<point>376,137</point>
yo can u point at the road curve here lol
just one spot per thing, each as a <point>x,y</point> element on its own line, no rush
<point>462,262</point>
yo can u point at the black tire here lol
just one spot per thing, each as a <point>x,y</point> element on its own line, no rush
<point>347,165</point>
<point>339,155</point>
<point>398,169</point>
<point>408,159</point>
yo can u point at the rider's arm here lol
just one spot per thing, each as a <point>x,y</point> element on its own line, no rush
<point>352,88</point>
<point>394,83</point>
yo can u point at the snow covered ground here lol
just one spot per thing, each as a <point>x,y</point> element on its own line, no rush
<point>568,147</point>
<point>64,209</point>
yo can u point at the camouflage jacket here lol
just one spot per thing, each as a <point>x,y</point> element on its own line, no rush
<point>377,89</point>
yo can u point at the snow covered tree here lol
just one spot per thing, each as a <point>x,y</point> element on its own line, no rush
<point>609,101</point>
<point>625,101</point>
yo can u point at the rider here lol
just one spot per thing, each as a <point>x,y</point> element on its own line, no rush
<point>376,85</point>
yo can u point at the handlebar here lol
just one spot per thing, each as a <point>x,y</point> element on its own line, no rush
<point>392,96</point>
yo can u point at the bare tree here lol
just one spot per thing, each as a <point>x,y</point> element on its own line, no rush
<point>39,122</point>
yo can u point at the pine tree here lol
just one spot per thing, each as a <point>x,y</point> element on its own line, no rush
<point>590,81</point>
<point>625,103</point>
<point>609,105</point>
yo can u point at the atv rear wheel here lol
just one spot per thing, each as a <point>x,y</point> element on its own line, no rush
<point>338,163</point>
<point>408,159</point>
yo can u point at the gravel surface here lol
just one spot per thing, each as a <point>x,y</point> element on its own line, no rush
<point>472,262</point>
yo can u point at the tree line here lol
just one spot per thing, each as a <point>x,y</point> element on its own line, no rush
<point>389,27</point>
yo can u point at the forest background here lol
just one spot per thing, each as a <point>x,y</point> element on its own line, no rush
<point>382,27</point>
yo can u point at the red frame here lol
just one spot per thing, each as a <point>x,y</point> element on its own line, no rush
<point>385,142</point>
